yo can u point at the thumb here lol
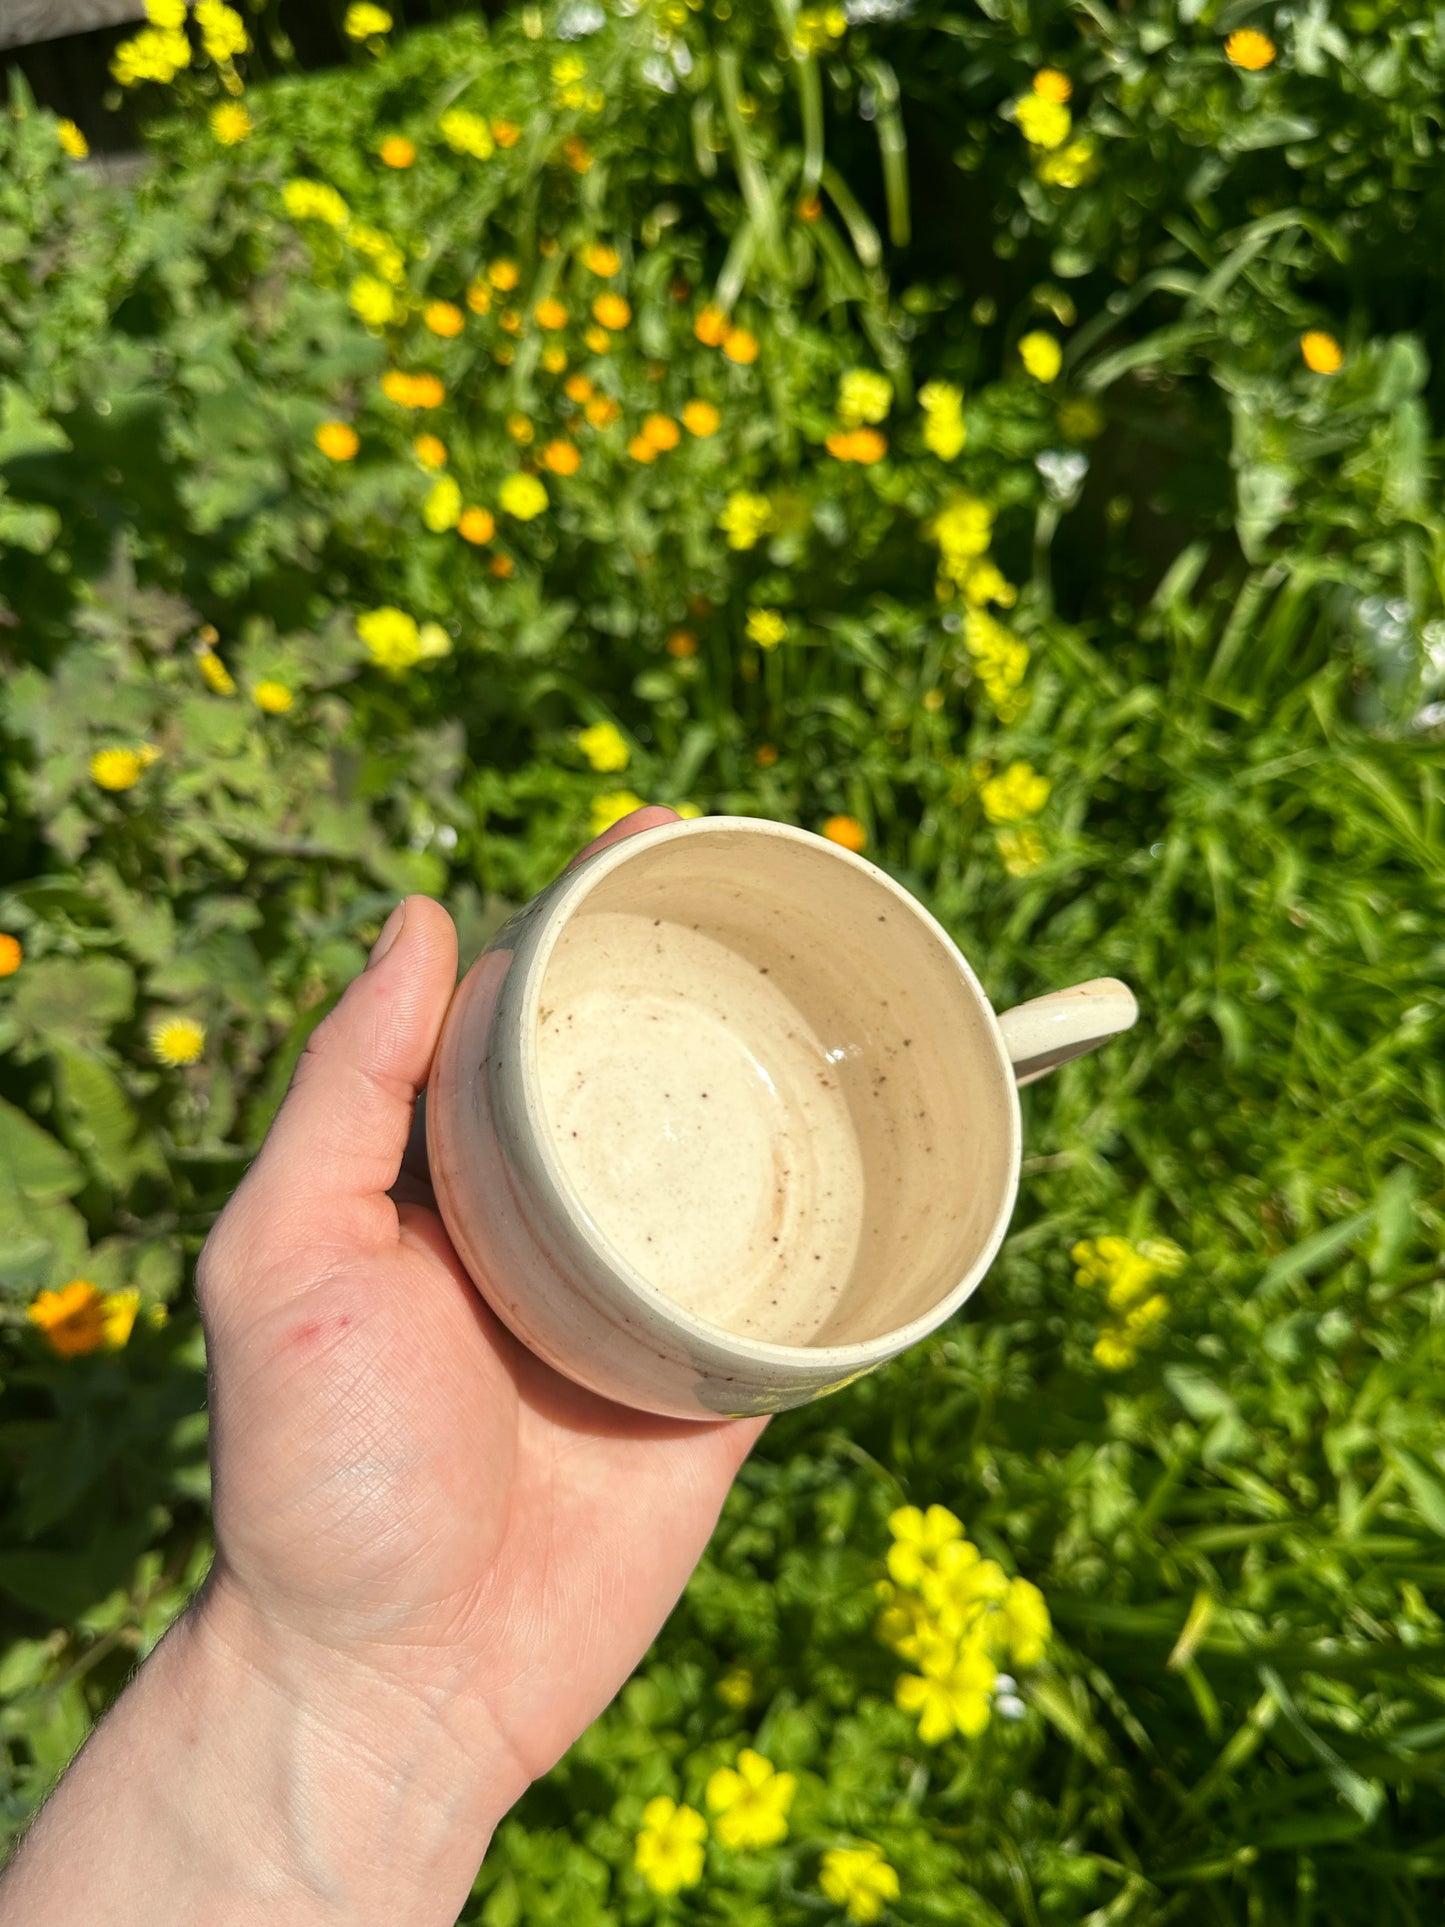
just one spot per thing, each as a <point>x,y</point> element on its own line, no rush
<point>336,1144</point>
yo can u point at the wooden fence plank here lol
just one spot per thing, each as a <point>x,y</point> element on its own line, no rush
<point>24,22</point>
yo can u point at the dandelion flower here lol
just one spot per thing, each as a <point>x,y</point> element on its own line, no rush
<point>562,457</point>
<point>578,388</point>
<point>116,769</point>
<point>662,431</point>
<point>601,260</point>
<point>740,345</point>
<point>397,151</point>
<point>641,449</point>
<point>272,697</point>
<point>859,1880</point>
<point>520,428</point>
<point>504,275</point>
<point>392,638</point>
<point>745,518</point>
<point>315,201</point>
<point>550,313</point>
<point>79,1318</point>
<point>11,954</point>
<point>214,673</point>
<point>611,310</point>
<point>443,506</point>
<point>467,133</point>
<point>1321,352</point>
<point>444,318</point>
<point>430,451</point>
<point>700,418</point>
<point>766,627</point>
<point>522,496</point>
<point>1050,84</point>
<point>230,124</point>
<point>177,1040</point>
<point>668,1852</point>
<point>752,1801</point>
<point>863,445</point>
<point>477,526</point>
<point>1041,355</point>
<point>1246,47</point>
<point>711,327</point>
<point>412,391</point>
<point>846,831</point>
<point>1042,122</point>
<point>605,747</point>
<point>362,20</point>
<point>338,441</point>
<point>72,140</point>
<point>479,298</point>
<point>554,358</point>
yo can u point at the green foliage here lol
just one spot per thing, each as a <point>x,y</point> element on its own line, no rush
<point>1223,653</point>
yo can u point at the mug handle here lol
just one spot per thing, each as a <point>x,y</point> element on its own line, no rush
<point>1048,1031</point>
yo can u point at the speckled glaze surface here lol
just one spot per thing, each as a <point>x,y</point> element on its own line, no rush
<point>722,1119</point>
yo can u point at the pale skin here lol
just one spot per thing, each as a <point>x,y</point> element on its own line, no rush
<point>436,1560</point>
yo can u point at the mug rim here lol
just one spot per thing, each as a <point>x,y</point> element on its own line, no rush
<point>572,889</point>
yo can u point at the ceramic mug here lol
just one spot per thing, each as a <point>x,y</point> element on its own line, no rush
<point>723,1119</point>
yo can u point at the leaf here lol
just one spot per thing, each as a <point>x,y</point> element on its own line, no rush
<point>77,998</point>
<point>33,1162</point>
<point>101,1120</point>
<point>1395,1220</point>
<point>1313,1254</point>
<point>1427,1489</point>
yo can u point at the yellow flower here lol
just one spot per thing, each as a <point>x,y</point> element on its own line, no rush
<point>943,430</point>
<point>741,346</point>
<point>766,628</point>
<point>412,391</point>
<point>1027,1619</point>
<point>363,20</point>
<point>479,298</point>
<point>752,1799</point>
<point>817,29</point>
<point>214,673</point>
<point>1114,1351</point>
<point>430,451</point>
<point>601,411</point>
<point>72,140</point>
<point>605,747</point>
<point>641,449</point>
<point>506,133</point>
<point>11,954</point>
<point>373,300</point>
<point>392,637</point>
<point>230,123</point>
<point>1015,794</point>
<point>338,441</point>
<point>1022,851</point>
<point>561,457</point>
<point>846,831</point>
<point>520,429</point>
<point>273,697</point>
<point>522,496</point>
<point>1321,352</point>
<point>700,418</point>
<point>1069,166</point>
<point>554,358</point>
<point>745,518</point>
<point>918,1540</point>
<point>662,431</point>
<point>116,769</point>
<point>380,250</point>
<point>432,641</point>
<point>962,529</point>
<point>78,1318</point>
<point>711,327</point>
<point>504,275</point>
<point>315,201</point>
<point>444,318</point>
<point>864,445</point>
<point>550,313</point>
<point>443,506</point>
<point>467,133</point>
<point>477,526</point>
<point>1043,123</point>
<point>1248,48</point>
<point>668,1852</point>
<point>598,341</point>
<point>863,396</point>
<point>1050,84</point>
<point>611,310</point>
<point>223,32</point>
<point>611,808</point>
<point>578,388</point>
<point>858,1879</point>
<point>1041,355</point>
<point>601,259</point>
<point>735,1689</point>
<point>156,53</point>
<point>177,1040</point>
<point>397,151</point>
<point>511,321</point>
<point>949,1693</point>
<point>169,14</point>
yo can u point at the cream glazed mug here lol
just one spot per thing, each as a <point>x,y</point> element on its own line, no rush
<point>722,1119</point>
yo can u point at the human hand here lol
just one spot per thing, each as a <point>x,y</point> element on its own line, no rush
<point>436,1560</point>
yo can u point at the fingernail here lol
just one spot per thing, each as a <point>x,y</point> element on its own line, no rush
<point>390,931</point>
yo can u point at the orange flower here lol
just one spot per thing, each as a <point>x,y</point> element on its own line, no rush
<point>577,154</point>
<point>504,275</point>
<point>477,525</point>
<point>550,313</point>
<point>1248,48</point>
<point>1321,352</point>
<point>412,391</point>
<point>502,566</point>
<point>397,151</point>
<point>810,208</point>
<point>430,451</point>
<point>11,954</point>
<point>611,310</point>
<point>1050,84</point>
<point>562,457</point>
<point>602,411</point>
<point>846,830</point>
<point>857,445</point>
<point>479,298</point>
<point>601,259</point>
<point>682,643</point>
<point>598,340</point>
<point>740,345</point>
<point>662,431</point>
<point>444,318</point>
<point>711,327</point>
<point>641,449</point>
<point>79,1318</point>
<point>338,441</point>
<point>506,133</point>
<point>765,755</point>
<point>700,417</point>
<point>578,388</point>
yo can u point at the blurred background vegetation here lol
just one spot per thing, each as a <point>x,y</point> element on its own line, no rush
<point>1006,438</point>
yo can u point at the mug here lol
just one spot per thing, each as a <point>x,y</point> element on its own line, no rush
<point>722,1119</point>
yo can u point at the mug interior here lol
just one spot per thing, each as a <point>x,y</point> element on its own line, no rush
<point>772,1087</point>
